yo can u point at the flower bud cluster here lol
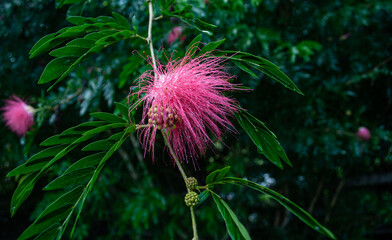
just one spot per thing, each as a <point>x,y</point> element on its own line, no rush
<point>191,199</point>
<point>191,183</point>
<point>162,118</point>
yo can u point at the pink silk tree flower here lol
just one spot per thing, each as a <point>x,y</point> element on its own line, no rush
<point>363,134</point>
<point>185,99</point>
<point>17,115</point>
<point>175,34</point>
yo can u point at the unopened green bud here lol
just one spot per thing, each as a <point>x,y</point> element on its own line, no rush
<point>191,199</point>
<point>191,183</point>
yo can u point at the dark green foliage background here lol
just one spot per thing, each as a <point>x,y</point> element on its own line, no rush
<point>337,52</point>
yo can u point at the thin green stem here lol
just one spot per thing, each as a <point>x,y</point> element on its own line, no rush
<point>158,18</point>
<point>149,37</point>
<point>194,226</point>
<point>141,37</point>
<point>164,134</point>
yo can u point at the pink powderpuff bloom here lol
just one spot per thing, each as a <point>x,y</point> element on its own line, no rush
<point>17,115</point>
<point>175,34</point>
<point>185,99</point>
<point>363,134</point>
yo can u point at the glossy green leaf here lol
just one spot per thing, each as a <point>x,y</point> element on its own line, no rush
<point>55,69</point>
<point>234,227</point>
<point>85,162</point>
<point>23,190</point>
<point>95,36</point>
<point>203,196</point>
<point>292,207</point>
<point>77,20</point>
<point>68,51</point>
<point>48,152</point>
<point>99,145</point>
<point>217,175</point>
<point>109,117</point>
<point>23,169</point>
<point>116,136</point>
<point>193,46</point>
<point>71,178</point>
<point>59,139</point>
<point>82,42</point>
<point>83,127</point>
<point>49,233</point>
<point>123,109</point>
<point>211,46</point>
<point>121,20</point>
<point>245,69</point>
<point>106,127</point>
<point>43,44</point>
<point>265,141</point>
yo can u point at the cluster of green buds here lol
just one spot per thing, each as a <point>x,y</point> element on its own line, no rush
<point>191,198</point>
<point>191,183</point>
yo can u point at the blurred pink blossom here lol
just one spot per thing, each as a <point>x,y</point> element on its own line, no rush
<point>175,34</point>
<point>363,134</point>
<point>186,100</point>
<point>17,115</point>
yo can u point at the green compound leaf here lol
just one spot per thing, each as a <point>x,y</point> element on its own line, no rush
<point>265,140</point>
<point>36,162</point>
<point>53,221</point>
<point>261,64</point>
<point>26,186</point>
<point>292,207</point>
<point>53,214</point>
<point>234,227</point>
<point>98,33</point>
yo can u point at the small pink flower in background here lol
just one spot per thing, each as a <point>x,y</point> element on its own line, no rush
<point>175,34</point>
<point>17,115</point>
<point>186,100</point>
<point>363,134</point>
